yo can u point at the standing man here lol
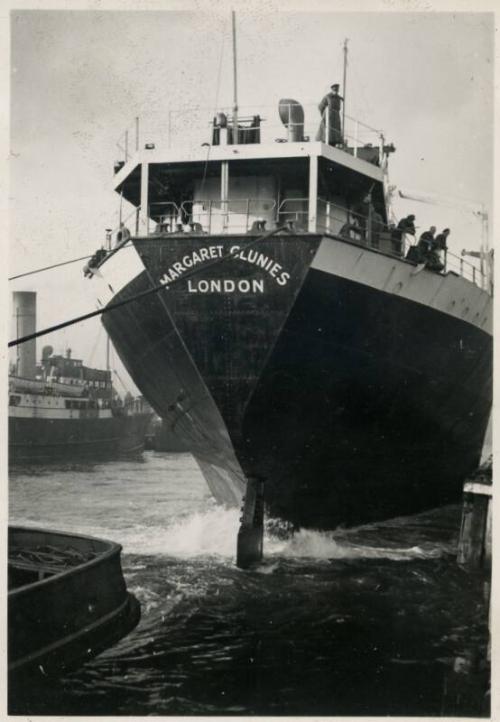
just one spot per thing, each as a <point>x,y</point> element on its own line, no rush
<point>440,244</point>
<point>330,129</point>
<point>407,225</point>
<point>441,239</point>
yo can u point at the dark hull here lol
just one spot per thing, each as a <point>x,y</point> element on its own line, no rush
<point>164,439</point>
<point>46,440</point>
<point>352,403</point>
<point>59,620</point>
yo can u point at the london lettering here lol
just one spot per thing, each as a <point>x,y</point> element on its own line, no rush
<point>252,256</point>
<point>225,285</point>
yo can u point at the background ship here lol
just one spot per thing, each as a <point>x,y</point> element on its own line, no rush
<point>61,409</point>
<point>320,359</point>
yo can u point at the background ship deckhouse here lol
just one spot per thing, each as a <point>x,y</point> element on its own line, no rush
<point>303,346</point>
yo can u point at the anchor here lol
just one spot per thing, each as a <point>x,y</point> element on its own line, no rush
<point>250,544</point>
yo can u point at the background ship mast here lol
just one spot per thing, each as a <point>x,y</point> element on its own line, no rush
<point>109,232</point>
<point>344,90</point>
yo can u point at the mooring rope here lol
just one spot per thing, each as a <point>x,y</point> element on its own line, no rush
<point>54,265</point>
<point>142,294</point>
<point>47,268</point>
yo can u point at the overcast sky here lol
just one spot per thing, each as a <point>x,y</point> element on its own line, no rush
<point>80,77</point>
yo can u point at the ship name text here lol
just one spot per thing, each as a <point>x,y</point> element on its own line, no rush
<point>252,256</point>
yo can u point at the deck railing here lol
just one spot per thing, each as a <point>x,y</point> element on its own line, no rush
<point>257,215</point>
<point>214,216</point>
<point>458,265</point>
<point>194,126</point>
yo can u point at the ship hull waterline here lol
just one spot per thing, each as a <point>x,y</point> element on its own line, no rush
<point>352,402</point>
<point>45,440</point>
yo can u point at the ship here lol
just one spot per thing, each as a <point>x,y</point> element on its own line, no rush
<point>61,409</point>
<point>286,332</point>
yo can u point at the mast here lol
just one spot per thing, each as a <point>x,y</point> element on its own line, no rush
<point>344,90</point>
<point>235,81</point>
<point>108,246</point>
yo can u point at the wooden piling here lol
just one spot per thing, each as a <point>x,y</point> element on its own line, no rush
<point>474,546</point>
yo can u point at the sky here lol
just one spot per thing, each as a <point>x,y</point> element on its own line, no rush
<point>78,78</point>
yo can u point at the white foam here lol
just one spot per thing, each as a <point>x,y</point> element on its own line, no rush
<point>323,545</point>
<point>214,532</point>
<point>211,533</point>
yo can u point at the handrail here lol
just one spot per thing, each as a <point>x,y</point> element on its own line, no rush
<point>193,125</point>
<point>390,235</point>
<point>233,214</point>
<point>298,215</point>
<point>237,215</point>
<point>465,269</point>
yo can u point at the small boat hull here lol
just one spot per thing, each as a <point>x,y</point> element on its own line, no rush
<point>67,601</point>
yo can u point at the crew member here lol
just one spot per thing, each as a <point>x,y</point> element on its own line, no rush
<point>439,244</point>
<point>427,245</point>
<point>441,240</point>
<point>427,240</point>
<point>406,225</point>
<point>330,130</point>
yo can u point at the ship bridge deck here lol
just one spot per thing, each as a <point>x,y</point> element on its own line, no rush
<point>229,188</point>
<point>204,153</point>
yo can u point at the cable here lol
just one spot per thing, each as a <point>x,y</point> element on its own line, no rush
<point>127,391</point>
<point>142,294</point>
<point>47,268</point>
<point>92,353</point>
<point>54,265</point>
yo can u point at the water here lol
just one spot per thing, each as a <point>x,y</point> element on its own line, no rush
<point>377,620</point>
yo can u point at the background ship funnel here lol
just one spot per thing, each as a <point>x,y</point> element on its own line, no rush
<point>25,323</point>
<point>292,116</point>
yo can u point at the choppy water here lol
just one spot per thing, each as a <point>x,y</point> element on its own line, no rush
<point>377,620</point>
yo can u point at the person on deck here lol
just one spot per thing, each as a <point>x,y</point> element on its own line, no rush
<point>428,249</point>
<point>439,244</point>
<point>330,130</point>
<point>441,240</point>
<point>426,241</point>
<point>407,225</point>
